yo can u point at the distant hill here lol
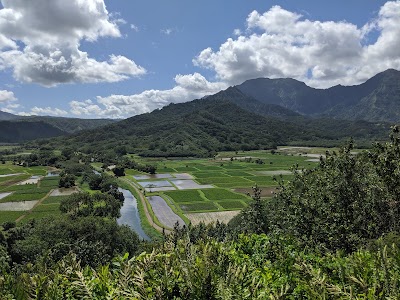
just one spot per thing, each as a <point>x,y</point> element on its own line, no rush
<point>5,116</point>
<point>378,99</point>
<point>22,131</point>
<point>70,125</point>
<point>13,131</point>
<point>201,127</point>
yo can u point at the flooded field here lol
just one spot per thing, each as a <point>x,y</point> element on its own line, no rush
<point>163,212</point>
<point>64,192</point>
<point>155,184</point>
<point>153,176</point>
<point>17,206</point>
<point>3,195</point>
<point>189,184</point>
<point>32,180</point>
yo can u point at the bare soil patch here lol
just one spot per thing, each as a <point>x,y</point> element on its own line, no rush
<point>265,191</point>
<point>207,218</point>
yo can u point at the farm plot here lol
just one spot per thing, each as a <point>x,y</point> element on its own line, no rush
<point>222,194</point>
<point>42,211</point>
<point>13,179</point>
<point>17,206</point>
<point>9,216</point>
<point>33,180</point>
<point>185,196</point>
<point>210,217</point>
<point>232,204</point>
<point>198,206</point>
<point>15,197</point>
<point>189,184</point>
<point>226,179</point>
<point>64,192</point>
<point>163,212</point>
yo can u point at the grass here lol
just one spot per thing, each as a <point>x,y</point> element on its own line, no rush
<point>14,178</point>
<point>206,175</point>
<point>198,206</point>
<point>54,200</point>
<point>34,190</point>
<point>49,182</point>
<point>185,196</point>
<point>232,205</point>
<point>10,216</point>
<point>23,197</point>
<point>222,194</point>
<point>237,173</point>
<point>217,180</point>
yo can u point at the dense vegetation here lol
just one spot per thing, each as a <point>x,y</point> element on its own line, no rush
<point>16,132</point>
<point>331,233</point>
<point>206,126</point>
<point>17,129</point>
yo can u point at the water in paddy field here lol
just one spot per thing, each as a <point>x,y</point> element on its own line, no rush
<point>130,214</point>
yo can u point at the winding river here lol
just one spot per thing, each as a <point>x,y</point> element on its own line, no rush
<point>130,214</point>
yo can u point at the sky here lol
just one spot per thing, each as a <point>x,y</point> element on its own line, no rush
<point>120,58</point>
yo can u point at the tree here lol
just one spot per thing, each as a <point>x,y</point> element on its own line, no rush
<point>119,171</point>
<point>66,180</point>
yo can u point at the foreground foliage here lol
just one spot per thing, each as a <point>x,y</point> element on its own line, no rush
<point>252,267</point>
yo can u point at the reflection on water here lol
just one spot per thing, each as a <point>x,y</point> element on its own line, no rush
<point>130,214</point>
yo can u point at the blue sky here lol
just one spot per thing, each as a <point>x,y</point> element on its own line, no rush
<point>112,59</point>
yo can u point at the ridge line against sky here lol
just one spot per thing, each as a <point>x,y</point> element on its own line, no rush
<point>113,59</point>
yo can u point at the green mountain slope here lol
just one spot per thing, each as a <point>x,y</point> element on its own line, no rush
<point>201,127</point>
<point>21,131</point>
<point>70,125</point>
<point>5,116</point>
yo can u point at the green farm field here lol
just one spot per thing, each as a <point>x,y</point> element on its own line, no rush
<point>225,173</point>
<point>27,192</point>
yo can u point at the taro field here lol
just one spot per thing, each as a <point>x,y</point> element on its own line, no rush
<point>27,193</point>
<point>209,189</point>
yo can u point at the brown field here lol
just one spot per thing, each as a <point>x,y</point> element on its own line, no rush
<point>207,218</point>
<point>265,191</point>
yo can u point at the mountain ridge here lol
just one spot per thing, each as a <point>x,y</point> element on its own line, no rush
<point>377,99</point>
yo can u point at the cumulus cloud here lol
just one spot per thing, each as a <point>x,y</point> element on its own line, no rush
<point>188,87</point>
<point>7,96</point>
<point>49,33</point>
<point>280,43</point>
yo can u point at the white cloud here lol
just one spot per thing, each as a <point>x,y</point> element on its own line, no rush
<point>281,43</point>
<point>135,28</point>
<point>40,111</point>
<point>48,111</point>
<point>7,96</point>
<point>188,87</point>
<point>237,32</point>
<point>167,31</point>
<point>51,32</point>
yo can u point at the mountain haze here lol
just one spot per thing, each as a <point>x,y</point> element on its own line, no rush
<point>378,99</point>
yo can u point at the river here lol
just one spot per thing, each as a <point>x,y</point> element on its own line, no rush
<point>130,214</point>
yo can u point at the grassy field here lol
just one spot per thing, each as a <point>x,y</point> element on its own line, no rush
<point>28,192</point>
<point>227,171</point>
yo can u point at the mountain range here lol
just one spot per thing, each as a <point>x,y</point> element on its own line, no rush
<point>260,113</point>
<point>376,100</point>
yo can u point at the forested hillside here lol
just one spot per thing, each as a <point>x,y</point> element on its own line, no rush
<point>203,127</point>
<point>17,132</point>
